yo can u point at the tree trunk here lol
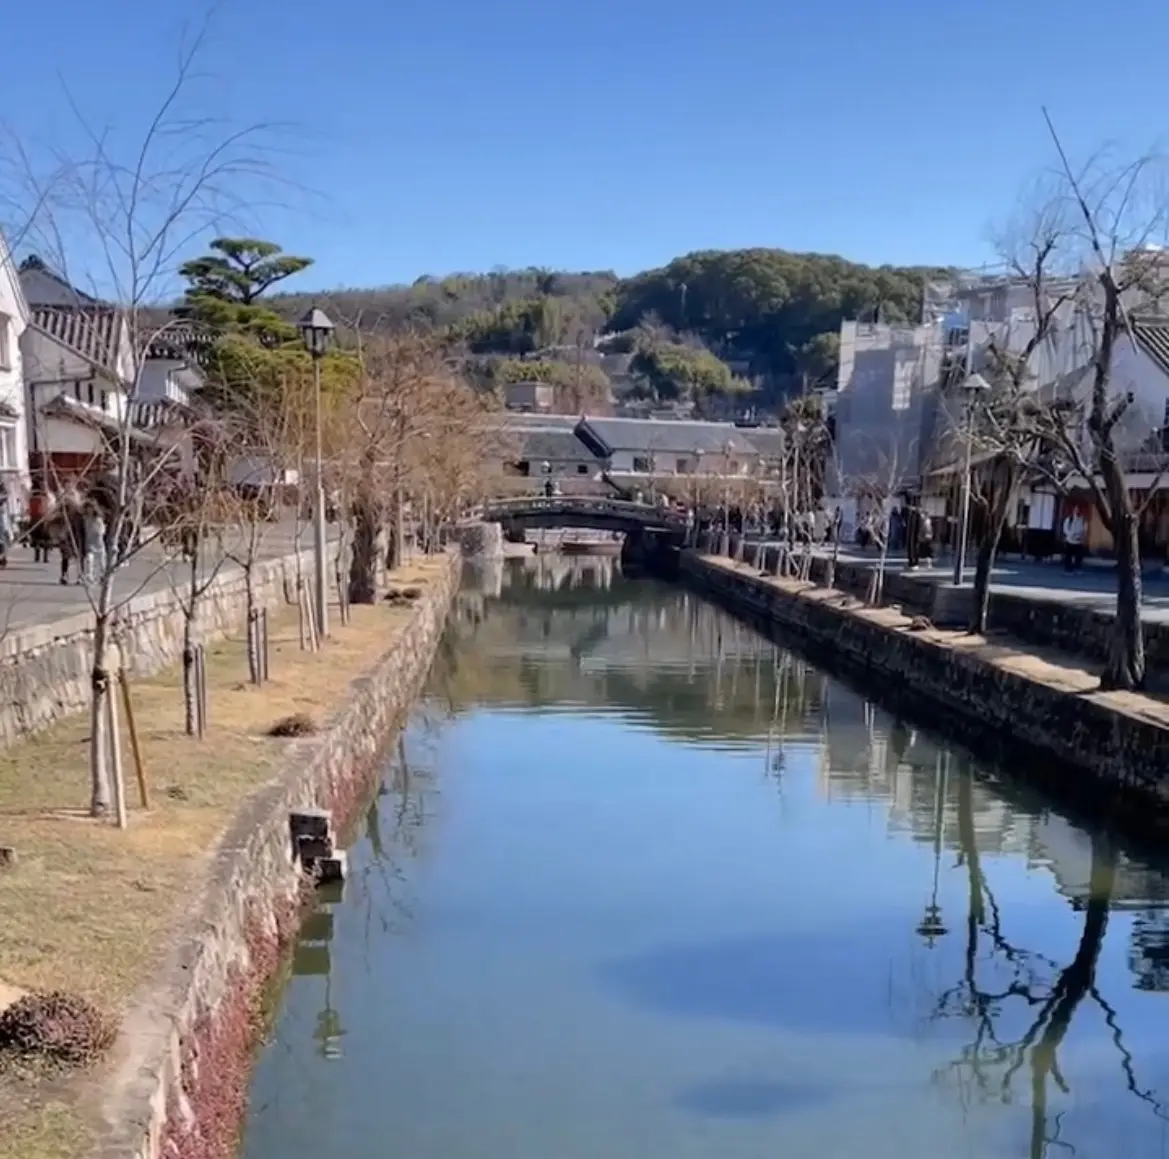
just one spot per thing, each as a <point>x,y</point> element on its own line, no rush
<point>996,521</point>
<point>190,609</point>
<point>1126,662</point>
<point>877,577</point>
<point>253,620</point>
<point>364,562</point>
<point>99,776</point>
<point>189,692</point>
<point>398,531</point>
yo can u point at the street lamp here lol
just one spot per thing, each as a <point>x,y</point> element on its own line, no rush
<point>317,331</point>
<point>972,387</point>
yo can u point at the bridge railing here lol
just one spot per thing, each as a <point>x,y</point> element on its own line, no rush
<point>585,505</point>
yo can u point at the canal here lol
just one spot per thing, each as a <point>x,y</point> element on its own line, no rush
<point>638,884</point>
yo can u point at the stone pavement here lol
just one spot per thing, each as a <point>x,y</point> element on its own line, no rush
<point>31,593</point>
<point>1092,588</point>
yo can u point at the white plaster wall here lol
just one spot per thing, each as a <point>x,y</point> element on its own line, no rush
<point>13,317</point>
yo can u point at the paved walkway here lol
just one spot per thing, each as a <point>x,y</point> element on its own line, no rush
<point>1094,587</point>
<point>31,593</point>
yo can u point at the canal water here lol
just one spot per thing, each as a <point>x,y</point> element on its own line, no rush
<point>640,885</point>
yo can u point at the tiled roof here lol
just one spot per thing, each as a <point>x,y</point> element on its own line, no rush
<point>552,443</point>
<point>671,436</point>
<point>63,406</point>
<point>1153,337</point>
<point>179,341</point>
<point>520,420</point>
<point>768,441</point>
<point>93,334</point>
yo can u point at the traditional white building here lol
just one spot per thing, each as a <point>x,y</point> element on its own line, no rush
<point>14,317</point>
<point>87,386</point>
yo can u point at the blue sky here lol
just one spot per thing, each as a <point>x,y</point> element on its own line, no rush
<point>464,134</point>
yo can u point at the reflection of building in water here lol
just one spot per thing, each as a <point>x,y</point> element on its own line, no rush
<point>484,574</point>
<point>555,572</point>
<point>1066,852</point>
<point>872,756</point>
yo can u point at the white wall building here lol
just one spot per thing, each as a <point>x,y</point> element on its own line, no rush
<point>886,395</point>
<point>13,429</point>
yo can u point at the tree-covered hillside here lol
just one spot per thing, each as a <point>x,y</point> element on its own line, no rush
<point>707,321</point>
<point>437,303</point>
<point>778,312</point>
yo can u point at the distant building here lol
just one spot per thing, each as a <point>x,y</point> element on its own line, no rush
<point>885,401</point>
<point>653,447</point>
<point>529,396</point>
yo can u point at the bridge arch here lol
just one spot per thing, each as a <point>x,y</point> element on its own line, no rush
<point>583,511</point>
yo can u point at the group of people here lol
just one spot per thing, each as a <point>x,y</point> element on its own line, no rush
<point>72,523</point>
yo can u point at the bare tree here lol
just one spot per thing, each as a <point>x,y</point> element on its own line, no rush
<point>1005,429</point>
<point>879,469</point>
<point>130,214</point>
<point>194,513</point>
<point>1121,212</point>
<point>416,431</point>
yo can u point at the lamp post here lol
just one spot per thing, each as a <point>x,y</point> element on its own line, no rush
<point>317,331</point>
<point>972,386</point>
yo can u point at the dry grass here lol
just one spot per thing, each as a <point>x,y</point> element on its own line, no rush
<point>88,907</point>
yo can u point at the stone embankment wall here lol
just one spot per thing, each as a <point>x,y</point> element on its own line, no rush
<point>1089,741</point>
<point>181,1087</point>
<point>1078,631</point>
<point>45,668</point>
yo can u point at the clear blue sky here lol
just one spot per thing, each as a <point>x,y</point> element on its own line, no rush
<point>441,135</point>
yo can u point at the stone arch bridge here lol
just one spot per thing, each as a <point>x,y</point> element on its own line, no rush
<point>648,529</point>
<point>597,513</point>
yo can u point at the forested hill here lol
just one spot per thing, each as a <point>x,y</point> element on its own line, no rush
<point>443,302</point>
<point>774,315</point>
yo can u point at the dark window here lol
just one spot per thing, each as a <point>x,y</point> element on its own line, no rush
<point>105,400</point>
<point>582,468</point>
<point>640,464</point>
<point>89,392</point>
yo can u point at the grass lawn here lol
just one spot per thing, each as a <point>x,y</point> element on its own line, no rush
<point>88,907</point>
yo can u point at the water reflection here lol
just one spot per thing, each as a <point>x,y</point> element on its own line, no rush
<point>640,881</point>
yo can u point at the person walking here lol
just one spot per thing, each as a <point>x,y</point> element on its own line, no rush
<point>7,526</point>
<point>1074,531</point>
<point>94,561</point>
<point>912,535</point>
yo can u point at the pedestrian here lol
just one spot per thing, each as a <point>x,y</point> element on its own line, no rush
<point>925,537</point>
<point>1074,531</point>
<point>912,535</point>
<point>7,526</point>
<point>94,561</point>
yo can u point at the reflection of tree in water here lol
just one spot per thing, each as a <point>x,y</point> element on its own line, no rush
<point>394,823</point>
<point>1149,950</point>
<point>990,1066</point>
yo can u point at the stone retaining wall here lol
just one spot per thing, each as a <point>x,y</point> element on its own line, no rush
<point>45,668</point>
<point>180,1089</point>
<point>1092,746</point>
<point>1078,631</point>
